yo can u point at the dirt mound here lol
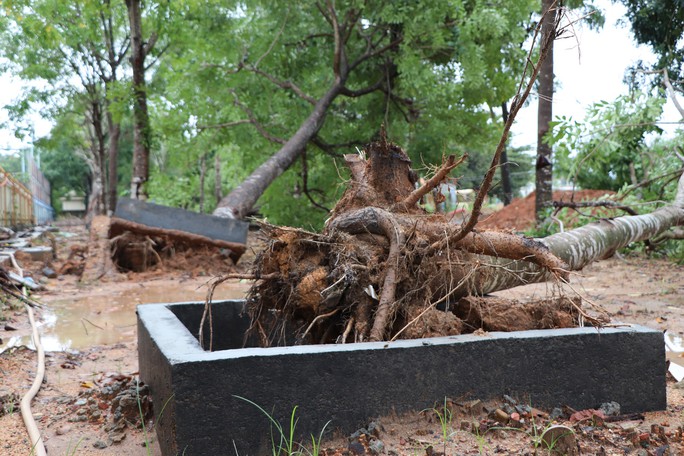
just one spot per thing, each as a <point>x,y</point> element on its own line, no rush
<point>519,215</point>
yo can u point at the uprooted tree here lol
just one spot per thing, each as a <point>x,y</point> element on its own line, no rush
<point>383,264</point>
<point>384,268</point>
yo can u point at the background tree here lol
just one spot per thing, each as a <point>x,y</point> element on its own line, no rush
<point>429,84</point>
<point>553,12</point>
<point>141,48</point>
<point>607,150</point>
<point>76,49</point>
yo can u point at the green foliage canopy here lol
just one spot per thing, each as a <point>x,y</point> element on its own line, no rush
<point>597,153</point>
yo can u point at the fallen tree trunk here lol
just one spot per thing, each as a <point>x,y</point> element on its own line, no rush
<point>383,264</point>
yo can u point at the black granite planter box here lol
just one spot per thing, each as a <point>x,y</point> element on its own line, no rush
<point>348,384</point>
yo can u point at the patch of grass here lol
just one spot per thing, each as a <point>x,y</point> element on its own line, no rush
<point>445,417</point>
<point>286,435</point>
<point>70,451</point>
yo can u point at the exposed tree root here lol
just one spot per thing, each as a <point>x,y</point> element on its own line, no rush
<point>383,268</point>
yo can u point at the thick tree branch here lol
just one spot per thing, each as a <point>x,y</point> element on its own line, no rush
<point>432,183</point>
<point>305,185</point>
<point>612,204</point>
<point>287,85</point>
<point>225,124</point>
<point>254,121</point>
<point>365,91</point>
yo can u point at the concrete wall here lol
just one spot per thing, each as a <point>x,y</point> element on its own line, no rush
<point>348,384</point>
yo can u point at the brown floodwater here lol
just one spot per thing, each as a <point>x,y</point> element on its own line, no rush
<point>108,317</point>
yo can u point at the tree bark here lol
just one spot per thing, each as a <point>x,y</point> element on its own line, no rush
<point>141,131</point>
<point>544,166</point>
<point>581,246</point>
<point>242,199</point>
<point>203,173</point>
<point>505,166</point>
<point>217,178</point>
<point>97,202</point>
<point>114,132</point>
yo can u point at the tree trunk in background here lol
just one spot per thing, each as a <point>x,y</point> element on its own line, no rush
<point>97,202</point>
<point>203,175</point>
<point>141,131</point>
<point>505,167</point>
<point>544,167</point>
<point>113,174</point>
<point>218,194</point>
<point>239,202</point>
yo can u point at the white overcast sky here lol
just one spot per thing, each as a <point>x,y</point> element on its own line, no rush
<point>588,69</point>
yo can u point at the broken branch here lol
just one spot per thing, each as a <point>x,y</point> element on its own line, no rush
<point>432,183</point>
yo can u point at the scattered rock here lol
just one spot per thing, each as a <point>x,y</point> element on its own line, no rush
<point>100,445</point>
<point>556,413</point>
<point>510,400</point>
<point>610,408</point>
<point>9,327</point>
<point>500,416</point>
<point>61,430</point>
<point>629,425</point>
<point>356,448</point>
<point>376,446</point>
<point>116,437</point>
<point>49,273</point>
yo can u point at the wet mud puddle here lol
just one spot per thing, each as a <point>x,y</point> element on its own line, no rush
<point>108,318</point>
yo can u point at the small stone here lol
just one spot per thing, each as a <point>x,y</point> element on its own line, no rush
<point>610,408</point>
<point>9,327</point>
<point>49,273</point>
<point>374,428</point>
<point>508,408</point>
<point>556,413</point>
<point>510,400</point>
<point>116,437</point>
<point>629,425</point>
<point>61,430</point>
<point>80,402</point>
<point>515,416</point>
<point>100,445</point>
<point>359,433</point>
<point>500,416</point>
<point>376,446</point>
<point>356,448</point>
<point>523,409</point>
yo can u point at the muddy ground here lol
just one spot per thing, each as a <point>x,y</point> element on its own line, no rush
<point>89,401</point>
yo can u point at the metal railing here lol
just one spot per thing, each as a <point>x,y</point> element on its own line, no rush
<point>16,202</point>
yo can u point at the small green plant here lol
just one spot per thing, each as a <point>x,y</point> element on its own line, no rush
<point>445,416</point>
<point>72,451</point>
<point>286,437</point>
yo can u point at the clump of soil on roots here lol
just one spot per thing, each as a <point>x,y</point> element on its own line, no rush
<point>133,252</point>
<point>384,269</point>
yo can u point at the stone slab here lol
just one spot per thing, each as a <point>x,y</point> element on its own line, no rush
<point>171,218</point>
<point>349,384</point>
